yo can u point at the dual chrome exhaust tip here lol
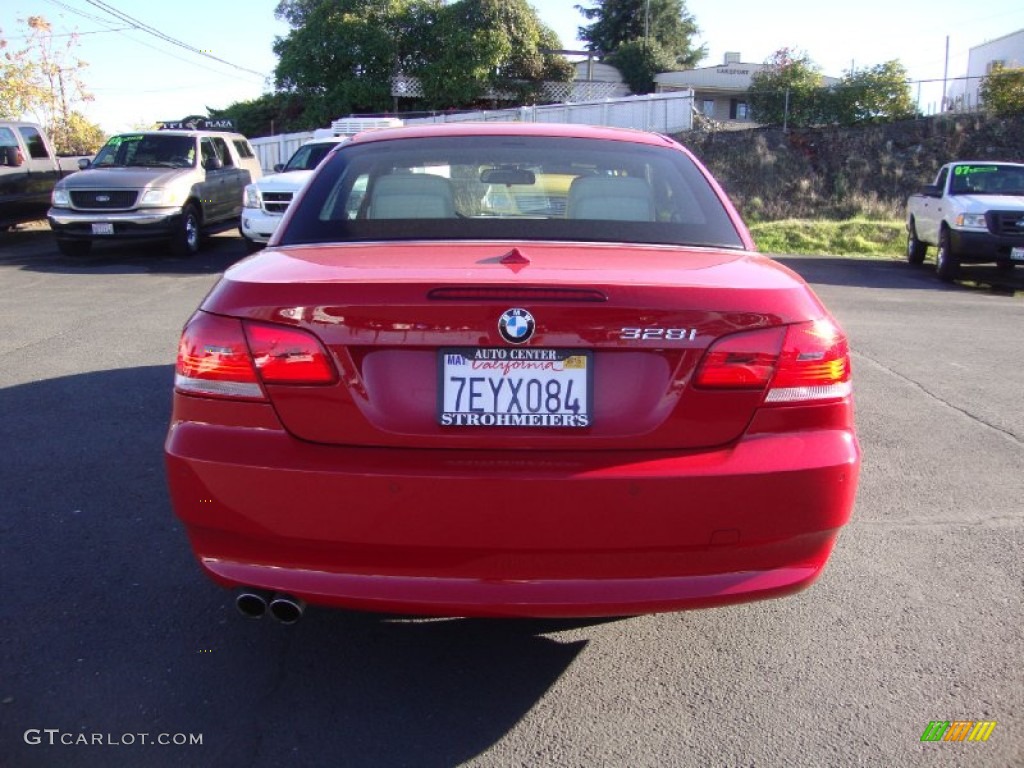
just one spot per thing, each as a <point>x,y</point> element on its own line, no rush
<point>255,604</point>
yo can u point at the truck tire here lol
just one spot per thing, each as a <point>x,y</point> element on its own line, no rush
<point>74,247</point>
<point>947,263</point>
<point>185,240</point>
<point>916,250</point>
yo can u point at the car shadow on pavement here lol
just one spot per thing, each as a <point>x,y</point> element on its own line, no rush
<point>110,627</point>
<point>35,249</point>
<point>882,273</point>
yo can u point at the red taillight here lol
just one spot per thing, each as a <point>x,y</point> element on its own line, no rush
<point>814,365</point>
<point>225,357</point>
<point>798,363</point>
<point>288,355</point>
<point>742,360</point>
<point>213,359</point>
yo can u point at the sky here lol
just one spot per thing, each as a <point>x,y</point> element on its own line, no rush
<point>138,78</point>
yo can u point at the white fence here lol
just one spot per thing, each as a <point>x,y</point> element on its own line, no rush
<point>657,112</point>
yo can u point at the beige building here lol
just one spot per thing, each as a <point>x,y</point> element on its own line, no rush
<point>720,91</point>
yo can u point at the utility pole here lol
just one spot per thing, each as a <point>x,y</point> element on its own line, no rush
<point>945,76</point>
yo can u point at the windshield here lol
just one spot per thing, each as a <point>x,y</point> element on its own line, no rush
<point>308,157</point>
<point>511,187</point>
<point>147,150</point>
<point>987,179</point>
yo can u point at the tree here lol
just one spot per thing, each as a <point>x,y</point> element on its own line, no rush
<point>78,135</point>
<point>340,55</point>
<point>61,89</point>
<point>1002,91</point>
<point>19,86</point>
<point>788,90</point>
<point>45,80</point>
<point>876,94</point>
<point>264,116</point>
<point>639,61</point>
<point>495,47</point>
<point>617,22</point>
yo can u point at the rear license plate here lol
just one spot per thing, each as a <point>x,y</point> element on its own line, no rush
<point>102,228</point>
<point>1017,254</point>
<point>514,387</point>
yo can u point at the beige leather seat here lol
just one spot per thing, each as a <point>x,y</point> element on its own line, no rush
<point>616,198</point>
<point>412,196</point>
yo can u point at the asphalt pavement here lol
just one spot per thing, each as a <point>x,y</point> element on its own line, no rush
<point>112,640</point>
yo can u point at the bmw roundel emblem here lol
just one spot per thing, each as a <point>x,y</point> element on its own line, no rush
<point>516,326</point>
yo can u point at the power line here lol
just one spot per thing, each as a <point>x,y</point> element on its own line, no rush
<point>143,27</point>
<point>79,12</point>
<point>101,20</point>
<point>74,34</point>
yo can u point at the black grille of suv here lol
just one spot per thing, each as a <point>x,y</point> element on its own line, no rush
<point>103,200</point>
<point>276,202</point>
<point>1008,223</point>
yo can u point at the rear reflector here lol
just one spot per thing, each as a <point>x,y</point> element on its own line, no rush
<point>225,357</point>
<point>807,362</point>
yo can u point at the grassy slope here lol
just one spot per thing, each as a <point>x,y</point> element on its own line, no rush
<point>842,191</point>
<point>853,237</point>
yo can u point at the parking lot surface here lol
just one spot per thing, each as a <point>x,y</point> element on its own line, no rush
<point>111,632</point>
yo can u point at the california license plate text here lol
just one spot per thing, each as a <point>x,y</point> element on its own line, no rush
<point>514,388</point>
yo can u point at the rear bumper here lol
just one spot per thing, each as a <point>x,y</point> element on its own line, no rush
<point>472,533</point>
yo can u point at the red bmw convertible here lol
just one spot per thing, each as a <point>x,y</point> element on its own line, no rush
<point>511,370</point>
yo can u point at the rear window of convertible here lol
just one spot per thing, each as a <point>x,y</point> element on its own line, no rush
<point>508,187</point>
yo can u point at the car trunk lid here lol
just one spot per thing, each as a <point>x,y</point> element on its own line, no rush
<point>639,317</point>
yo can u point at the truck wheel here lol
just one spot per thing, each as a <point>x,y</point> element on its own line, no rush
<point>74,247</point>
<point>185,240</point>
<point>916,250</point>
<point>947,263</point>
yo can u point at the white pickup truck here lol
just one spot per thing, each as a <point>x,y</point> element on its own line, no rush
<point>973,214</point>
<point>266,200</point>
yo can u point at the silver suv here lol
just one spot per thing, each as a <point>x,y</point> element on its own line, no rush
<point>172,184</point>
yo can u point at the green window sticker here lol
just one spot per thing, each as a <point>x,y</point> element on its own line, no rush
<point>965,170</point>
<point>117,141</point>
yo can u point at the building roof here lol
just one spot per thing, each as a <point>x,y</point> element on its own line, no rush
<point>732,76</point>
<point>1018,33</point>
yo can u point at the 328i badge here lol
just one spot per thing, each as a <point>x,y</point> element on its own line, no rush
<point>511,370</point>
